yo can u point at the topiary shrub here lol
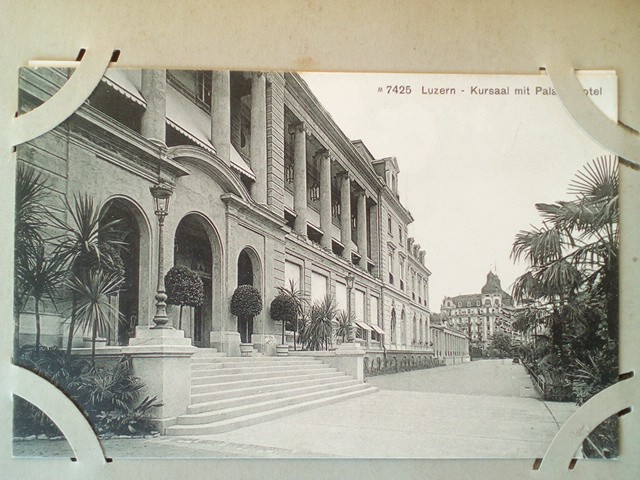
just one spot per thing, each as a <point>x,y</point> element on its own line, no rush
<point>245,304</point>
<point>284,309</point>
<point>246,301</point>
<point>184,288</point>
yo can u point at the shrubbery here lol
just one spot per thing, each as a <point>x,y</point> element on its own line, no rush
<point>108,396</point>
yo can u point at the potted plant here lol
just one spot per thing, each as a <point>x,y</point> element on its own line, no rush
<point>284,309</point>
<point>246,303</point>
<point>183,287</point>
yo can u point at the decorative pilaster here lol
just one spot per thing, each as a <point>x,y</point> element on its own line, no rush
<point>221,114</point>
<point>154,91</point>
<point>325,198</point>
<point>300,178</point>
<point>361,232</point>
<point>259,136</point>
<point>345,214</point>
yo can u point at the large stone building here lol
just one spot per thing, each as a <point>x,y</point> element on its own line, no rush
<point>266,189</point>
<point>480,315</point>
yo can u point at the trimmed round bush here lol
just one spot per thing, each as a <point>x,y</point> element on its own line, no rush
<point>246,301</point>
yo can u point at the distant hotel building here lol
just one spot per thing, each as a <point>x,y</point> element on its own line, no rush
<point>481,313</point>
<point>266,189</point>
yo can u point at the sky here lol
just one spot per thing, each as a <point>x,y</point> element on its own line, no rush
<point>472,165</point>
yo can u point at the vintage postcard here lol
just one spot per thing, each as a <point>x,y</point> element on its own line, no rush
<point>321,265</point>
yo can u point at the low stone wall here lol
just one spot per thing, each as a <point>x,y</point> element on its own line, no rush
<point>394,361</point>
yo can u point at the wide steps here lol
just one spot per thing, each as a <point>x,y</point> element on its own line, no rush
<point>233,391</point>
<point>237,411</point>
<point>260,382</point>
<point>273,394</point>
<point>225,370</point>
<point>221,376</point>
<point>265,415</point>
<point>228,393</point>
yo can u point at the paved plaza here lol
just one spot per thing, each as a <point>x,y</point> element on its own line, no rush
<point>482,409</point>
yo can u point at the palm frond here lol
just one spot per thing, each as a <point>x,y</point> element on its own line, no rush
<point>598,180</point>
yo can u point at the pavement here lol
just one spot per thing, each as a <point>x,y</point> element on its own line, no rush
<point>482,409</point>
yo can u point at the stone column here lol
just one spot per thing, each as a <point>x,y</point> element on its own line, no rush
<point>154,91</point>
<point>345,215</point>
<point>325,199</point>
<point>361,232</point>
<point>221,114</point>
<point>259,136</point>
<point>300,178</point>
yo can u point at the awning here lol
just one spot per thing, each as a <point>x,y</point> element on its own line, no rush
<point>126,81</point>
<point>188,119</point>
<point>363,326</point>
<point>377,329</point>
<point>239,163</point>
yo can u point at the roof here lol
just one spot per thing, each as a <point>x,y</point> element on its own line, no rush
<point>491,287</point>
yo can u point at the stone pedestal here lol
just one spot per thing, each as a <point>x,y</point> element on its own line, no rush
<point>226,342</point>
<point>146,336</point>
<point>266,343</point>
<point>162,360</point>
<point>349,358</point>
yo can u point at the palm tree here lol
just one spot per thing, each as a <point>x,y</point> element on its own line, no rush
<point>343,324</point>
<point>576,249</point>
<point>318,326</point>
<point>40,274</point>
<point>302,303</point>
<point>92,308</point>
<point>30,220</point>
<point>87,243</point>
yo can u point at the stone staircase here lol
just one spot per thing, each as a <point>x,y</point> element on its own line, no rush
<point>233,392</point>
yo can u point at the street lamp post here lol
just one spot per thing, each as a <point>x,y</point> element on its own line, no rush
<point>161,193</point>
<point>351,338</point>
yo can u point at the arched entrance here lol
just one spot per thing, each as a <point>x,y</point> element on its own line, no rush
<point>127,234</point>
<point>393,326</point>
<point>248,274</point>
<point>193,246</point>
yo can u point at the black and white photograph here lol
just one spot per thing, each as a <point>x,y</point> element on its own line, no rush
<point>262,264</point>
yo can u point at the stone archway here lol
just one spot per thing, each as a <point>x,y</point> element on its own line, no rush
<point>197,246</point>
<point>132,230</point>
<point>393,327</point>
<point>249,273</point>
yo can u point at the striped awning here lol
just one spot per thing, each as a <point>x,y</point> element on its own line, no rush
<point>377,329</point>
<point>363,326</point>
<point>127,82</point>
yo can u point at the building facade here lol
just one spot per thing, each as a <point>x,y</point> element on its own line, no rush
<point>480,315</point>
<point>267,190</point>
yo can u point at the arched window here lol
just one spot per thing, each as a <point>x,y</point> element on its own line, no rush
<point>393,325</point>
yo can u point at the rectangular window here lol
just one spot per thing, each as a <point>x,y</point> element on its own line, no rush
<point>359,306</point>
<point>292,273</point>
<point>390,225</point>
<point>373,311</point>
<point>391,268</point>
<point>318,287</point>
<point>341,296</point>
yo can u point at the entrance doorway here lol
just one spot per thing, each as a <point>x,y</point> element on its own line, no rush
<point>126,231</point>
<point>245,277</point>
<point>192,249</point>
